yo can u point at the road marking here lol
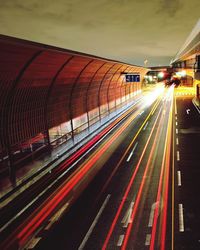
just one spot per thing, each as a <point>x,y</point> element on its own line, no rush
<point>176,123</point>
<point>181,220</point>
<point>121,238</point>
<point>179,178</point>
<point>178,156</point>
<point>34,242</point>
<point>129,157</point>
<point>57,215</point>
<point>145,126</point>
<point>176,131</point>
<point>152,214</point>
<point>177,141</point>
<point>172,208</point>
<point>127,217</point>
<point>148,240</point>
<point>94,223</point>
<point>175,107</point>
<point>188,111</point>
<point>196,106</point>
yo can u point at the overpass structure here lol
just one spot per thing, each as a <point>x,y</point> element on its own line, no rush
<point>188,59</point>
<point>48,95</point>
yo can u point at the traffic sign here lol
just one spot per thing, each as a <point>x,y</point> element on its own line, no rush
<point>132,78</point>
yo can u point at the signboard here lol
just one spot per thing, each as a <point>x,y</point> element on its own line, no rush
<point>132,78</point>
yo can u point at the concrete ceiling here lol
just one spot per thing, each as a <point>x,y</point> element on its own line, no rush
<point>126,30</point>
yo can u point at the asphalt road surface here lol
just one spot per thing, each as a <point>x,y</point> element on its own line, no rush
<point>136,189</point>
<point>126,205</point>
<point>187,173</point>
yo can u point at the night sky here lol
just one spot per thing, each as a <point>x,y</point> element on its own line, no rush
<point>126,30</point>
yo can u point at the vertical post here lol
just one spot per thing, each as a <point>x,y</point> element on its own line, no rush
<point>99,103</point>
<point>87,91</point>
<point>110,84</point>
<point>71,95</point>
<point>48,96</point>
<point>7,112</point>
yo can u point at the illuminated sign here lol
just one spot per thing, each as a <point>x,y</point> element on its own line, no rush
<point>132,78</point>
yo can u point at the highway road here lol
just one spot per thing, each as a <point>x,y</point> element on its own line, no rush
<point>126,205</point>
<point>187,171</point>
<point>134,186</point>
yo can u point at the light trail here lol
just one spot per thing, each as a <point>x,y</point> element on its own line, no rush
<point>165,207</point>
<point>129,147</point>
<point>139,195</point>
<point>77,176</point>
<point>164,169</point>
<point>128,187</point>
<point>26,230</point>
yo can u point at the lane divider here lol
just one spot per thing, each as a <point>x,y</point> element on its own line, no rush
<point>23,233</point>
<point>163,172</point>
<point>134,148</point>
<point>82,245</point>
<point>127,150</point>
<point>181,220</point>
<point>130,183</point>
<point>144,179</point>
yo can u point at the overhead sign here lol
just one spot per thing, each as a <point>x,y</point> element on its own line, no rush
<point>132,78</point>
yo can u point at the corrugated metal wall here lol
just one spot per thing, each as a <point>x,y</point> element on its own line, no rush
<point>42,87</point>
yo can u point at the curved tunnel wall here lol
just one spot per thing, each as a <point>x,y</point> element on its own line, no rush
<point>42,87</point>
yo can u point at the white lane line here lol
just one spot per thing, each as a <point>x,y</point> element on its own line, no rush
<point>176,123</point>
<point>145,125</point>
<point>148,240</point>
<point>33,242</point>
<point>178,156</point>
<point>121,238</point>
<point>179,178</point>
<point>177,141</point>
<point>56,180</point>
<point>57,215</point>
<point>94,223</point>
<point>127,217</point>
<point>181,220</point>
<point>129,157</point>
<point>176,131</point>
<point>176,117</point>
<point>196,106</point>
<point>152,214</point>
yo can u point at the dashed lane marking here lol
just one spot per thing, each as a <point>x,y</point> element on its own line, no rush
<point>178,156</point>
<point>152,214</point>
<point>148,240</point>
<point>34,242</point>
<point>145,125</point>
<point>181,220</point>
<point>179,178</point>
<point>94,223</point>
<point>120,240</point>
<point>127,217</point>
<point>130,155</point>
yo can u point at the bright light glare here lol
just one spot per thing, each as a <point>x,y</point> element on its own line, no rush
<point>150,78</point>
<point>181,73</point>
<point>151,97</point>
<point>161,74</point>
